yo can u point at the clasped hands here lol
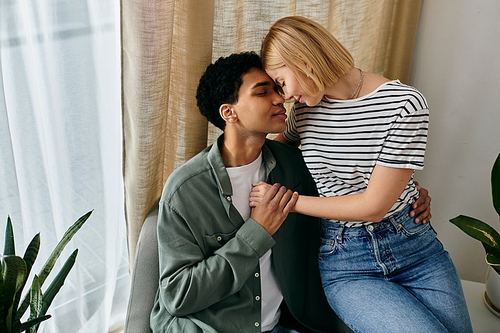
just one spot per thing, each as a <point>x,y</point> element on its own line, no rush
<point>271,207</point>
<point>271,194</point>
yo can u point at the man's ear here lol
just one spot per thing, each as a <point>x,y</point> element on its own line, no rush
<point>227,113</point>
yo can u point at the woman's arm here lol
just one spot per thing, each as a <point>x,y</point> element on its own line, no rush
<point>384,188</point>
<point>281,138</point>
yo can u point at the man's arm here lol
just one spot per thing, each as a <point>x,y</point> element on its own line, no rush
<point>422,207</point>
<point>191,281</point>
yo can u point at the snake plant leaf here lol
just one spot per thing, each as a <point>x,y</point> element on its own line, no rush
<point>49,264</point>
<point>58,282</point>
<point>3,323</point>
<point>9,246</point>
<point>68,235</point>
<point>478,230</point>
<point>33,322</point>
<point>32,252</point>
<point>13,278</point>
<point>29,258</point>
<point>495,184</point>
<point>35,299</point>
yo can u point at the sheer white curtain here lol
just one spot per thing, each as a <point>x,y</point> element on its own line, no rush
<point>60,146</point>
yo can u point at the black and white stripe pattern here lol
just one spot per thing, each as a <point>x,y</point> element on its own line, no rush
<point>343,140</point>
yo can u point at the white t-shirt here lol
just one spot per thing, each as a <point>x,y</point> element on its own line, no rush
<point>242,178</point>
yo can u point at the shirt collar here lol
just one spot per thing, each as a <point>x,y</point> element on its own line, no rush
<point>215,160</point>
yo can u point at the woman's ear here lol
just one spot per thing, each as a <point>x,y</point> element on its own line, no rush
<point>309,69</point>
<point>227,113</point>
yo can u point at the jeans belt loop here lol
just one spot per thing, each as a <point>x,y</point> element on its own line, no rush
<point>396,226</point>
<point>339,234</point>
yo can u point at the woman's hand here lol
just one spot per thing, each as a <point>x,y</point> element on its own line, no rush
<point>259,190</point>
<point>274,207</point>
<point>422,207</point>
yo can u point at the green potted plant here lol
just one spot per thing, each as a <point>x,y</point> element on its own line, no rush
<point>14,274</point>
<point>490,239</point>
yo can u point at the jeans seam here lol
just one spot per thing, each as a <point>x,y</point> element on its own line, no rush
<point>376,251</point>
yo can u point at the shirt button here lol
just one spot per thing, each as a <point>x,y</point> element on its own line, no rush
<point>370,228</point>
<point>257,324</point>
<point>219,238</point>
<point>256,275</point>
<point>228,198</point>
<point>257,298</point>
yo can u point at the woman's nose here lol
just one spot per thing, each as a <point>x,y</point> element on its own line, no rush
<point>286,94</point>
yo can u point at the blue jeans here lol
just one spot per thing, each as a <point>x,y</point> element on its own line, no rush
<point>391,276</point>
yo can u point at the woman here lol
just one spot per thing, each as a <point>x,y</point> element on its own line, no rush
<point>362,137</point>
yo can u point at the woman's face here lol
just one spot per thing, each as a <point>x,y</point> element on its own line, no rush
<point>291,87</point>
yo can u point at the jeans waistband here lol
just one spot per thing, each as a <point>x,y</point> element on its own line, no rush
<point>399,216</point>
<point>391,222</point>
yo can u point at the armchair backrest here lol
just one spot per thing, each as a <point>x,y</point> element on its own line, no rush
<point>145,277</point>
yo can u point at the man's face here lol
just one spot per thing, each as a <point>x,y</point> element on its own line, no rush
<point>259,108</point>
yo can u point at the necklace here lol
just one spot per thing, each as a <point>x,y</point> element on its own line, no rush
<point>355,94</point>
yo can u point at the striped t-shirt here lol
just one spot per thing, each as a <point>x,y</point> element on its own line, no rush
<point>343,140</point>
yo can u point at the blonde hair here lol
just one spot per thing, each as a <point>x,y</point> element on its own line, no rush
<point>297,42</point>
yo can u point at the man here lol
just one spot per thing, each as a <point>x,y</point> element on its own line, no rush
<point>223,266</point>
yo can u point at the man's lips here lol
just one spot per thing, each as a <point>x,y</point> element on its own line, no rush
<point>281,114</point>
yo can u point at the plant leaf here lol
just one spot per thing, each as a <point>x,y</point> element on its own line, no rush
<point>492,259</point>
<point>13,279</point>
<point>29,258</point>
<point>3,324</point>
<point>58,282</point>
<point>35,299</point>
<point>60,246</point>
<point>32,252</point>
<point>478,230</point>
<point>33,322</point>
<point>495,252</point>
<point>49,264</point>
<point>495,184</point>
<point>9,247</point>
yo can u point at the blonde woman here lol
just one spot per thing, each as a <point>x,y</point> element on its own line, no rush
<point>362,136</point>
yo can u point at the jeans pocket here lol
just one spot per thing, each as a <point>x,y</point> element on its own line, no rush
<point>410,228</point>
<point>327,247</point>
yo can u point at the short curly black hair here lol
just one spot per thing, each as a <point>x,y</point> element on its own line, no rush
<point>221,83</point>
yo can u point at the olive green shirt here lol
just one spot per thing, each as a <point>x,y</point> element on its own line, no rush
<point>209,256</point>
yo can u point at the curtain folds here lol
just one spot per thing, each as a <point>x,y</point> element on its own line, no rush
<point>60,148</point>
<point>166,45</point>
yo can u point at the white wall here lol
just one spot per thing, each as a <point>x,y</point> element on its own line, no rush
<point>457,67</point>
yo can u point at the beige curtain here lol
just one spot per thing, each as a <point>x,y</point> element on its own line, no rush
<point>167,44</point>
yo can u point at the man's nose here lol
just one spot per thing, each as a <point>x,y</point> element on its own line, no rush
<point>279,99</point>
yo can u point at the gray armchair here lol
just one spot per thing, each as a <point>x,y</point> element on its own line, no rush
<point>145,277</point>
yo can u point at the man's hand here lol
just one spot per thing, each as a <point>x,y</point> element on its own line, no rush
<point>422,207</point>
<point>273,207</point>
